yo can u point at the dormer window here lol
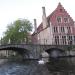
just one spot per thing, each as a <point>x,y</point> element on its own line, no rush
<point>59,19</point>
<point>66,20</point>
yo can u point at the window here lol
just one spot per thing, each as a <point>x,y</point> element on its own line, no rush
<point>66,20</point>
<point>74,39</point>
<point>64,37</point>
<point>62,29</point>
<point>55,29</point>
<point>56,40</point>
<point>64,40</point>
<point>70,38</point>
<point>68,30</point>
<point>61,10</point>
<point>59,19</point>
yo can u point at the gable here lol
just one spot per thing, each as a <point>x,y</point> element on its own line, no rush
<point>59,12</point>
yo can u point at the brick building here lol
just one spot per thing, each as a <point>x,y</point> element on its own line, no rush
<point>56,29</point>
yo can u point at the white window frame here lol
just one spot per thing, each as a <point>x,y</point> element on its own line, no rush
<point>67,21</point>
<point>59,17</point>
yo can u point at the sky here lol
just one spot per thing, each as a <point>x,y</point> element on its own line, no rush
<point>11,10</point>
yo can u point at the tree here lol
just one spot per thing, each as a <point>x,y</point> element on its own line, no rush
<point>18,32</point>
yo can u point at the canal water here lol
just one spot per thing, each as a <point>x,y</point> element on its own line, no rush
<point>28,67</point>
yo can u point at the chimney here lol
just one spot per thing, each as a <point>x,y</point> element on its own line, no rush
<point>35,25</point>
<point>44,19</point>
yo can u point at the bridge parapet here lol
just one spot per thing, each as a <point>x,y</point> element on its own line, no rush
<point>35,50</point>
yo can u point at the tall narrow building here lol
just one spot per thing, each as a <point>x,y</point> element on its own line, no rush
<point>56,29</point>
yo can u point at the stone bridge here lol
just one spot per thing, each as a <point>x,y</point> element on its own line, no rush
<point>35,50</point>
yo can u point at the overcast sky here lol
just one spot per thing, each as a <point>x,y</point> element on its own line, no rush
<point>11,10</point>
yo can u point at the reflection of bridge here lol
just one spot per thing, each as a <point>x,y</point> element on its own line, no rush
<point>34,50</point>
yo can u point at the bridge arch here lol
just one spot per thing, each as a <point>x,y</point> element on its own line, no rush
<point>20,49</point>
<point>55,52</point>
<point>52,53</point>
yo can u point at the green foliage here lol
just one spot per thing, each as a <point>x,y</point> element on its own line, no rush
<point>18,32</point>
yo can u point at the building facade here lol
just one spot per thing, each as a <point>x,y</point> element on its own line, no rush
<point>56,29</point>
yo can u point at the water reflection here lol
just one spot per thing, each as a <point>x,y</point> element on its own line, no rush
<point>28,67</point>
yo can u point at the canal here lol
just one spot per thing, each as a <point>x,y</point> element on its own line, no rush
<point>28,67</point>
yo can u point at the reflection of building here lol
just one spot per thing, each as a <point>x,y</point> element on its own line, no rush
<point>57,28</point>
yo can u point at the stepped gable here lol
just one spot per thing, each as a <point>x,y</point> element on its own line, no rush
<point>59,11</point>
